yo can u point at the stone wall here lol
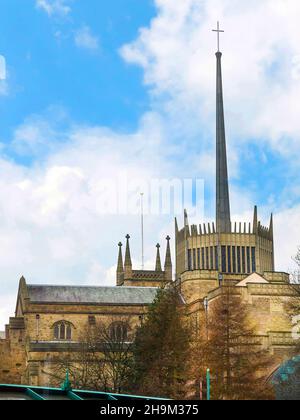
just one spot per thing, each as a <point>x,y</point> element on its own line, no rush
<point>30,350</point>
<point>13,353</point>
<point>268,312</point>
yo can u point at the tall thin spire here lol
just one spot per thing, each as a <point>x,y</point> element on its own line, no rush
<point>168,261</point>
<point>120,258</point>
<point>120,268</point>
<point>128,254</point>
<point>158,260</point>
<point>128,262</point>
<point>222,194</point>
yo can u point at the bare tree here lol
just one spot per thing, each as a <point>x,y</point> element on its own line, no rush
<point>295,274</point>
<point>100,360</point>
<point>293,305</point>
<point>117,351</point>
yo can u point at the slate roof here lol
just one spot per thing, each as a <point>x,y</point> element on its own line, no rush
<point>92,295</point>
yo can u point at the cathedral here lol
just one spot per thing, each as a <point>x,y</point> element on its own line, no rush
<point>49,319</point>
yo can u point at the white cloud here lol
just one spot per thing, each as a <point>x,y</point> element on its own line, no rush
<point>40,135</point>
<point>2,68</point>
<point>3,76</point>
<point>261,65</point>
<point>85,39</point>
<point>52,229</point>
<point>287,238</point>
<point>54,7</point>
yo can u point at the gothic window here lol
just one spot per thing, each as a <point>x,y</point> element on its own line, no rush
<point>194,260</point>
<point>207,259</point>
<point>239,259</point>
<point>62,331</point>
<point>216,258</point>
<point>229,258</point>
<point>248,259</point>
<point>234,259</point>
<point>198,251</point>
<point>244,259</point>
<point>189,260</point>
<point>118,332</point>
<point>211,258</point>
<point>253,260</point>
<point>224,259</point>
<point>203,258</point>
<point>56,332</point>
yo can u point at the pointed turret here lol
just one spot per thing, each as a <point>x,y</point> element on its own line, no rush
<point>128,263</point>
<point>186,219</point>
<point>186,235</point>
<point>222,189</point>
<point>176,226</point>
<point>120,268</point>
<point>271,235</point>
<point>255,221</point>
<point>271,228</point>
<point>158,260</point>
<point>168,261</point>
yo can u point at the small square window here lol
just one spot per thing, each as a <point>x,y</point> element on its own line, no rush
<point>92,320</point>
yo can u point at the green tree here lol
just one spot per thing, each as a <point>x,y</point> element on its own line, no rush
<point>161,348</point>
<point>234,355</point>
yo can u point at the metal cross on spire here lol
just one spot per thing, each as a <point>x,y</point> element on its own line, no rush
<point>218,32</point>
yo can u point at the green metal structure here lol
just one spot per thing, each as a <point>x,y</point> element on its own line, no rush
<point>286,380</point>
<point>23,392</point>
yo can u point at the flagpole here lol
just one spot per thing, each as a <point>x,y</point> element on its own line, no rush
<point>142,229</point>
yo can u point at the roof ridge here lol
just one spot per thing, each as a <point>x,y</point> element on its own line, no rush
<point>98,287</point>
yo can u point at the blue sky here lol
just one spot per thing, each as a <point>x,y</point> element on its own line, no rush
<point>126,88</point>
<point>94,87</point>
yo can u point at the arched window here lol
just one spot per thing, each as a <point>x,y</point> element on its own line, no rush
<point>62,331</point>
<point>118,332</point>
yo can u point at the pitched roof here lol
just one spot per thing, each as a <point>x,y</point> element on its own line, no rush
<point>254,278</point>
<point>92,295</point>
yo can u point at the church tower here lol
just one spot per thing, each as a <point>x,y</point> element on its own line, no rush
<point>222,250</point>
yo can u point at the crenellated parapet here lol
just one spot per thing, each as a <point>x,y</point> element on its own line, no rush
<point>246,248</point>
